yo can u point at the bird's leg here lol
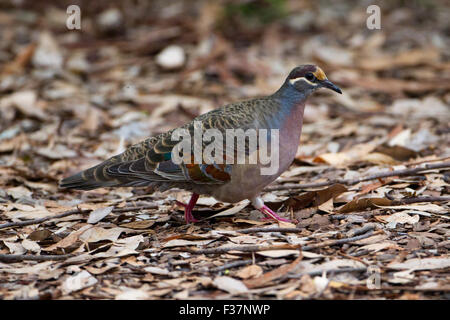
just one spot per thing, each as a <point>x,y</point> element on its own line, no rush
<point>188,208</point>
<point>258,203</point>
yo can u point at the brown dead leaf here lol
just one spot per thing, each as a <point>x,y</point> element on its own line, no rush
<point>230,285</point>
<point>403,59</point>
<point>251,271</point>
<point>334,159</point>
<point>97,271</point>
<point>252,222</point>
<point>77,282</point>
<point>399,217</point>
<point>21,60</point>
<point>31,245</point>
<point>422,264</point>
<point>69,240</point>
<point>40,235</point>
<point>362,204</point>
<point>98,214</point>
<point>272,275</point>
<point>315,198</point>
<point>142,224</point>
<point>378,158</point>
<point>278,253</point>
<point>375,247</point>
<point>232,211</point>
<point>95,234</point>
<point>396,152</point>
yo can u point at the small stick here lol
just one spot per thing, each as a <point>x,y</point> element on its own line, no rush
<point>255,248</point>
<point>36,221</point>
<point>274,229</point>
<point>126,209</point>
<point>364,229</point>
<point>232,265</point>
<point>30,257</point>
<point>418,199</point>
<point>331,271</point>
<point>403,172</point>
<point>68,213</point>
<point>330,243</point>
<point>405,288</point>
<point>251,248</point>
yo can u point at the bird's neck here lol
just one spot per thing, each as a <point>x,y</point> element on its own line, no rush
<point>289,96</point>
<point>291,103</point>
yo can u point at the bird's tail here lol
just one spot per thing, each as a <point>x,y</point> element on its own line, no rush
<point>92,178</point>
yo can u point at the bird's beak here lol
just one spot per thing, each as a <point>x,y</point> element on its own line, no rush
<point>330,85</point>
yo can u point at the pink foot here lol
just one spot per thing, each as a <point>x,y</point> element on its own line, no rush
<point>272,215</point>
<point>188,208</point>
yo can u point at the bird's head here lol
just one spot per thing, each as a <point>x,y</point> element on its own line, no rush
<point>308,77</point>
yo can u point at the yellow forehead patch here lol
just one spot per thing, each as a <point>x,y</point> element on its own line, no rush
<point>320,74</point>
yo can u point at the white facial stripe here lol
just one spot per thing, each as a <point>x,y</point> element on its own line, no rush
<point>292,81</point>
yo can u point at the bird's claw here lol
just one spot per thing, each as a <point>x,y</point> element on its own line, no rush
<point>272,215</point>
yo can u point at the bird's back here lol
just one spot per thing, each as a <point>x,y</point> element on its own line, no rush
<point>150,163</point>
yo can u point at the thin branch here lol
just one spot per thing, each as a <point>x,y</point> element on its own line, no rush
<point>31,257</point>
<point>274,229</point>
<point>256,248</point>
<point>403,172</point>
<point>330,243</point>
<point>36,221</point>
<point>126,209</point>
<point>404,288</point>
<point>363,229</point>
<point>251,248</point>
<point>71,212</point>
<point>418,199</point>
<point>329,272</point>
<point>233,264</point>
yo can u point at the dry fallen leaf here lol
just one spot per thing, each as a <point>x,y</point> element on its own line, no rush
<point>232,211</point>
<point>143,224</point>
<point>230,285</point>
<point>251,271</point>
<point>95,234</point>
<point>267,277</point>
<point>31,245</point>
<point>399,217</point>
<point>361,204</point>
<point>69,240</point>
<point>98,214</point>
<point>422,264</point>
<point>77,282</point>
<point>278,253</point>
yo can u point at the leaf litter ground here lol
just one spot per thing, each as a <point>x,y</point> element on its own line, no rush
<point>369,187</point>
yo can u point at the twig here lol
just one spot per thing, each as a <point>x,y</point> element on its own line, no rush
<point>252,248</point>
<point>338,216</point>
<point>30,257</point>
<point>126,209</point>
<point>403,288</point>
<point>233,264</point>
<point>418,199</point>
<point>255,248</point>
<point>274,274</point>
<point>68,213</point>
<point>403,172</point>
<point>364,229</point>
<point>330,243</point>
<point>274,229</point>
<point>36,221</point>
<point>331,271</point>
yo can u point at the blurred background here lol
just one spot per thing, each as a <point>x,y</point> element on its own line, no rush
<point>69,98</point>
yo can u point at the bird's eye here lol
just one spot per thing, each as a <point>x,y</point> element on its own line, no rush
<point>309,76</point>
